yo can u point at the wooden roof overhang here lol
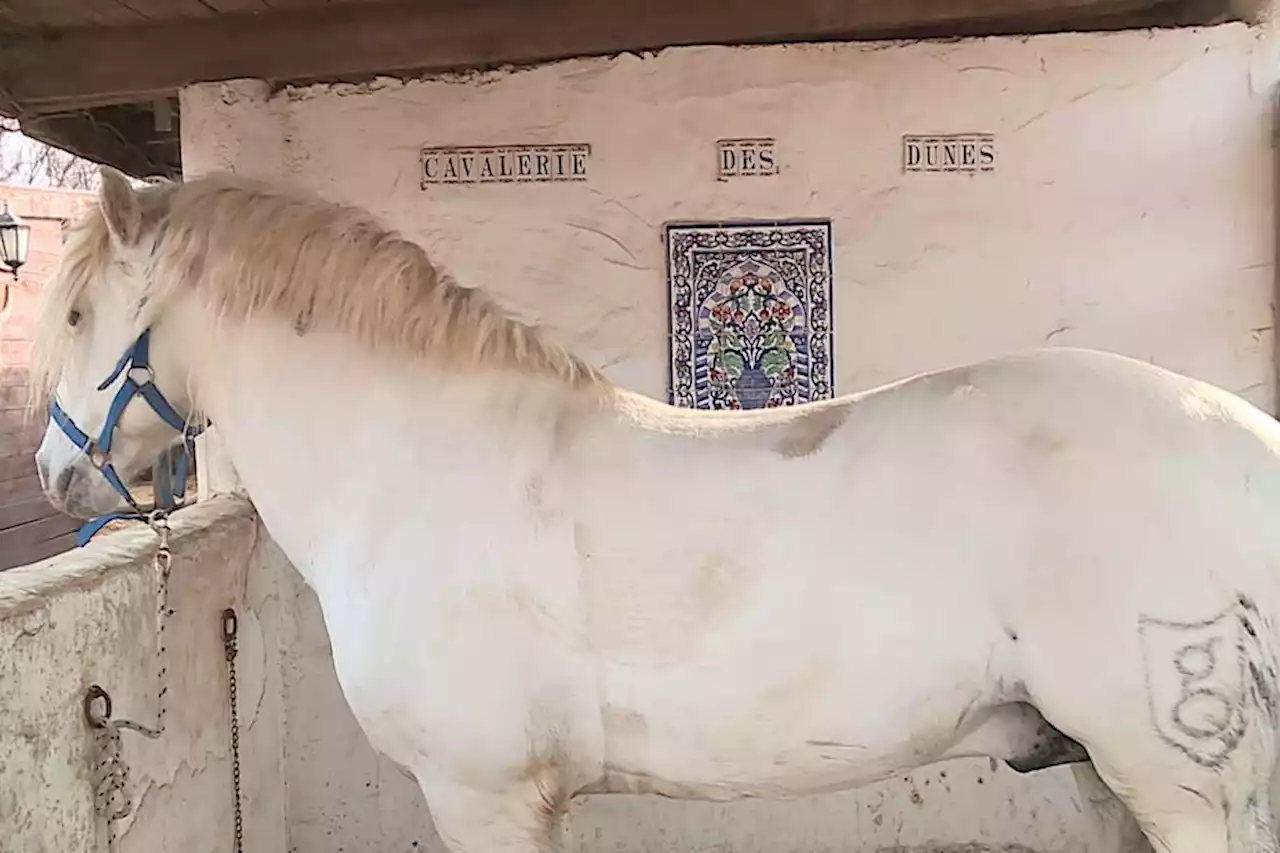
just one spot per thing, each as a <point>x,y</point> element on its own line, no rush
<point>100,77</point>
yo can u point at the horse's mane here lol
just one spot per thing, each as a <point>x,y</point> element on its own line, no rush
<point>247,249</point>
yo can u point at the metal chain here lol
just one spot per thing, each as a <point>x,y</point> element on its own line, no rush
<point>229,626</point>
<point>112,799</point>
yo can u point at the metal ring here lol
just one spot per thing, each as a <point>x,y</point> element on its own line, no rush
<point>98,457</point>
<point>93,693</point>
<point>229,624</point>
<point>149,375</point>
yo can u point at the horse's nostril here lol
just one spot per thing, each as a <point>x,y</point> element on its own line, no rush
<point>64,479</point>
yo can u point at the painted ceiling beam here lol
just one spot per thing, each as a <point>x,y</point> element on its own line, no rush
<point>78,68</point>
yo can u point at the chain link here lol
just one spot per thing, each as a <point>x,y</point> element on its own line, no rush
<point>162,565</point>
<point>111,797</point>
<point>229,628</point>
<point>113,801</point>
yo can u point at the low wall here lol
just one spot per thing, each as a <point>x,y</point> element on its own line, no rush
<point>88,617</point>
<point>312,783</point>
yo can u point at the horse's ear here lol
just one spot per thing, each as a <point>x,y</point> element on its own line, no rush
<point>120,207</point>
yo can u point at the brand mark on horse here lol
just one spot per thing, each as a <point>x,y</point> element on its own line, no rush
<point>1195,684</point>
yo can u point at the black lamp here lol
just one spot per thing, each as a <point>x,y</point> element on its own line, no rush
<point>15,240</point>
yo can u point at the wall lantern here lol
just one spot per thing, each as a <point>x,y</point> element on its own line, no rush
<point>15,240</point>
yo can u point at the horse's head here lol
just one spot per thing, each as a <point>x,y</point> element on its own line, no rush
<point>111,373</point>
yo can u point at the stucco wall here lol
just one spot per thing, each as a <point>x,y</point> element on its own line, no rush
<point>1129,210</point>
<point>88,617</point>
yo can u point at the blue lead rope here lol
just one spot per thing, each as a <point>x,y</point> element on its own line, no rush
<point>139,381</point>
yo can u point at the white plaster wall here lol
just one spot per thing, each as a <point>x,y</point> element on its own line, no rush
<point>88,617</point>
<point>225,128</point>
<point>1130,210</point>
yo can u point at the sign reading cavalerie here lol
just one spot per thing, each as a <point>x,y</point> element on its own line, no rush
<point>499,164</point>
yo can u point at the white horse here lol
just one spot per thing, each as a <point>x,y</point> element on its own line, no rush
<point>539,585</point>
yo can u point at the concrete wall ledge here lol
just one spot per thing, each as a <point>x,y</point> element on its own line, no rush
<point>88,617</point>
<point>25,587</point>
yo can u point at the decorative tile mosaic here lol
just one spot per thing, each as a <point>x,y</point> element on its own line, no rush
<point>750,313</point>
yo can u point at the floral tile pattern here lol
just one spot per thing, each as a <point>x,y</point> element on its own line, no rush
<point>750,313</point>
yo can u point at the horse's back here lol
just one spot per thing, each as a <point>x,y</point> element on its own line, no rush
<point>1091,462</point>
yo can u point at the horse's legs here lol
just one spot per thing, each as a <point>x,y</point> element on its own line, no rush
<point>1185,806</point>
<point>1193,769</point>
<point>519,819</point>
<point>1191,821</point>
<point>1256,826</point>
<point>1176,817</point>
<point>1120,830</point>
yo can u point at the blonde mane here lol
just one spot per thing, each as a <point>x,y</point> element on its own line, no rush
<point>86,252</point>
<point>246,248</point>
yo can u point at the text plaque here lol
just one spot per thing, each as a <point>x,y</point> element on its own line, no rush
<point>955,152</point>
<point>505,164</point>
<point>745,157</point>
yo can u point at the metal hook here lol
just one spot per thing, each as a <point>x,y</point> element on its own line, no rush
<point>93,694</point>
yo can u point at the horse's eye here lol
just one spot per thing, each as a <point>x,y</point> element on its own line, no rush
<point>73,318</point>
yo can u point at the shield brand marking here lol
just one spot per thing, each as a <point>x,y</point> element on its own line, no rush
<point>1195,684</point>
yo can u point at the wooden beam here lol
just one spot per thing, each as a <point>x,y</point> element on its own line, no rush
<point>76,68</point>
<point>121,137</point>
<point>37,540</point>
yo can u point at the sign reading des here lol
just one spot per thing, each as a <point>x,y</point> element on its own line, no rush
<point>746,157</point>
<point>505,164</point>
<point>959,152</point>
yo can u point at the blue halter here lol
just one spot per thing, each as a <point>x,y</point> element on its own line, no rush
<point>139,380</point>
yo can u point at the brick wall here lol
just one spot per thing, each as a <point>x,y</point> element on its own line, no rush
<point>30,529</point>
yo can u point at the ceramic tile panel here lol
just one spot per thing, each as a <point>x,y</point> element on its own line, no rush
<point>750,313</point>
